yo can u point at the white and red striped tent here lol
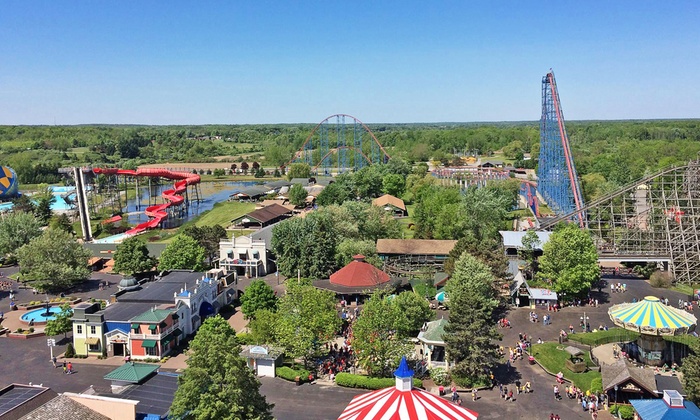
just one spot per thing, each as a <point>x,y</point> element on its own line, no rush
<point>402,402</point>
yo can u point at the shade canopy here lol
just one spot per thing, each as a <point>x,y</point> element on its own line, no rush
<point>652,317</point>
<point>392,404</point>
<point>403,402</point>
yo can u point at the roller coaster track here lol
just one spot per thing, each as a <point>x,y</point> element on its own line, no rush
<point>654,219</point>
<point>551,222</point>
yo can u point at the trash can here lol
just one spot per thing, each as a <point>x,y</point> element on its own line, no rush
<point>297,379</point>
<point>531,360</point>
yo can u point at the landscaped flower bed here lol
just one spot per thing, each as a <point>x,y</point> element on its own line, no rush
<point>34,304</point>
<point>23,334</point>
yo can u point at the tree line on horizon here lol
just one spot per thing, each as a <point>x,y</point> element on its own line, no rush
<point>606,153</point>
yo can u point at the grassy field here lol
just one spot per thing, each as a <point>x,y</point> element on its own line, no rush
<point>223,213</point>
<point>685,288</point>
<point>407,233</point>
<point>553,357</point>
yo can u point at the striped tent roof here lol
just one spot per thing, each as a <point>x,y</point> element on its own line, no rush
<point>650,316</point>
<point>403,402</point>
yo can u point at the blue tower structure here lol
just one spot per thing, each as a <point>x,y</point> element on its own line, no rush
<point>558,182</point>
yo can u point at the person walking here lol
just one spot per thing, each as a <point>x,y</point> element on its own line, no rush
<point>53,360</point>
<point>474,390</point>
<point>70,368</point>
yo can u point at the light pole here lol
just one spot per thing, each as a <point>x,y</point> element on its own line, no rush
<point>616,414</point>
<point>584,322</point>
<point>51,343</point>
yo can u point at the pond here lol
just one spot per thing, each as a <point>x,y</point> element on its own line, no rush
<point>210,194</point>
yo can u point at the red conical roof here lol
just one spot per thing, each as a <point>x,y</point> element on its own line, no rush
<point>359,274</point>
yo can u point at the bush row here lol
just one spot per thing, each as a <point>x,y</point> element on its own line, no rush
<point>359,381</point>
<point>285,372</point>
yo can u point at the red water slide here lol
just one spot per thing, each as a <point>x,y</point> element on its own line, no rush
<point>174,196</point>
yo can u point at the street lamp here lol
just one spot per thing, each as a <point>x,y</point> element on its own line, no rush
<point>616,400</point>
<point>584,322</point>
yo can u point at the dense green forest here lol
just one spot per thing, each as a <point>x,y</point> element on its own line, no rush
<point>607,153</point>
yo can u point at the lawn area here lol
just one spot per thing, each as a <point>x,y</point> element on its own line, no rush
<point>223,213</point>
<point>598,338</point>
<point>685,288</point>
<point>405,221</point>
<point>553,357</point>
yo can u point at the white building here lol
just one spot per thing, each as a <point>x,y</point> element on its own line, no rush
<point>244,256</point>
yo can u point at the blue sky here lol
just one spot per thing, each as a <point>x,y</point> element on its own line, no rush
<point>247,62</point>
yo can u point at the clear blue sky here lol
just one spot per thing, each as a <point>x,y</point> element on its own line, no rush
<point>244,62</point>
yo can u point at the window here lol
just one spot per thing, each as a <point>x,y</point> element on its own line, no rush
<point>93,329</point>
<point>152,351</point>
<point>94,347</point>
<point>78,329</point>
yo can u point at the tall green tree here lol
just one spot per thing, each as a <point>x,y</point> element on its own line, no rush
<point>335,193</point>
<point>54,261</point>
<point>258,296</point>
<point>297,195</point>
<point>691,372</point>
<point>414,311</point>
<point>44,199</point>
<point>61,324</point>
<point>377,342</point>
<point>569,261</point>
<point>308,319</point>
<point>263,327</point>
<point>208,238</point>
<point>471,334</point>
<point>184,253</point>
<point>299,170</point>
<point>394,184</point>
<point>488,251</point>
<point>17,229</point>
<point>132,257</point>
<point>217,383</point>
<point>61,221</point>
<point>306,246</point>
<point>531,243</point>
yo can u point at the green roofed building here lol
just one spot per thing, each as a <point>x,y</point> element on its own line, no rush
<point>433,345</point>
<point>129,374</point>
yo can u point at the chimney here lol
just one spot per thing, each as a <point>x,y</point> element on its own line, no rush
<point>358,258</point>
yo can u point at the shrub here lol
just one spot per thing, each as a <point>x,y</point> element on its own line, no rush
<point>20,330</point>
<point>660,279</point>
<point>285,372</point>
<point>471,382</point>
<point>31,330</point>
<point>597,385</point>
<point>625,412</point>
<point>440,376</point>
<point>245,338</point>
<point>359,381</point>
<point>70,351</point>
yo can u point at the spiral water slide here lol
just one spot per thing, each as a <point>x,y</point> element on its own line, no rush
<point>173,196</point>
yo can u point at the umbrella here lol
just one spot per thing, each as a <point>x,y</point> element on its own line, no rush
<point>402,402</point>
<point>441,296</point>
<point>650,316</point>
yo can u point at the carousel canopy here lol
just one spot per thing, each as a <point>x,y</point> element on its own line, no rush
<point>650,316</point>
<point>402,402</point>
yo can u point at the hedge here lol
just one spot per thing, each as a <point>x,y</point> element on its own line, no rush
<point>625,412</point>
<point>285,372</point>
<point>359,381</point>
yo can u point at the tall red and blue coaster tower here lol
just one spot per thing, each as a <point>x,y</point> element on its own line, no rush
<point>557,179</point>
